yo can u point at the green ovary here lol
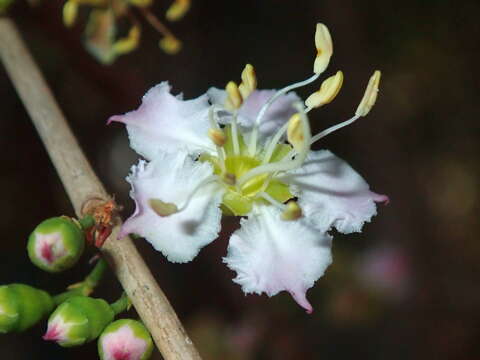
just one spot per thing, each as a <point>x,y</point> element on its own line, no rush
<point>239,201</point>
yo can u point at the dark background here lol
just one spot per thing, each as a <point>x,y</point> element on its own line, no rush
<point>405,288</point>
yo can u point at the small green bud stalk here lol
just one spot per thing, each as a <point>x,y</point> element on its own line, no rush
<point>22,306</point>
<point>78,320</point>
<point>125,339</point>
<point>56,244</point>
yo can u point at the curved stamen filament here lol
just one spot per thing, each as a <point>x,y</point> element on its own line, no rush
<point>206,181</point>
<point>271,200</point>
<point>236,146</point>
<point>273,143</point>
<point>220,151</point>
<point>252,147</point>
<point>333,128</point>
<point>288,164</point>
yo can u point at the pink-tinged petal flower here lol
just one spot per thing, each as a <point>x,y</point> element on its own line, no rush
<point>331,193</point>
<point>277,115</point>
<point>271,255</point>
<point>166,122</point>
<point>57,330</point>
<point>125,339</point>
<point>177,180</point>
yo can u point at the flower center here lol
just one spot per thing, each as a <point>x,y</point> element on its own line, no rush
<point>233,163</point>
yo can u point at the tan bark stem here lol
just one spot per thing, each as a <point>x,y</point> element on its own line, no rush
<point>82,186</point>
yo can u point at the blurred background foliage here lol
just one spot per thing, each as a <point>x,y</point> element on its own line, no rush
<point>405,288</point>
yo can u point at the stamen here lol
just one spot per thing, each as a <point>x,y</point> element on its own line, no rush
<point>292,211</point>
<point>333,128</point>
<point>287,164</point>
<point>370,95</point>
<point>249,82</point>
<point>363,109</point>
<point>273,143</point>
<point>236,144</point>
<point>162,208</point>
<point>271,200</point>
<point>323,43</point>
<point>215,127</point>
<point>328,91</point>
<point>234,98</point>
<point>295,132</point>
<point>217,136</point>
<point>205,182</point>
<point>170,44</point>
<point>177,10</point>
<point>252,148</point>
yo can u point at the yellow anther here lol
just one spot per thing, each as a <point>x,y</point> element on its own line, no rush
<point>323,43</point>
<point>170,44</point>
<point>234,98</point>
<point>295,132</point>
<point>128,43</point>
<point>230,179</point>
<point>162,208</point>
<point>177,10</point>
<point>70,11</point>
<point>329,89</point>
<point>249,81</point>
<point>292,211</point>
<point>217,136</point>
<point>370,95</point>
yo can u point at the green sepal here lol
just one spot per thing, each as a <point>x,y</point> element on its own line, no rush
<point>87,222</point>
<point>237,204</point>
<point>22,306</point>
<point>139,331</point>
<point>72,238</point>
<point>279,191</point>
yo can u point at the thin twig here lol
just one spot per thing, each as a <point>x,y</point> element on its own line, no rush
<point>83,186</point>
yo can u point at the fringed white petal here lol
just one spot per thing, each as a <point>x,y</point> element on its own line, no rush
<point>166,122</point>
<point>172,178</point>
<point>277,115</point>
<point>271,255</point>
<point>331,193</point>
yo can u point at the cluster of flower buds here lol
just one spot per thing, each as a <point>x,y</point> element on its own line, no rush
<point>102,27</point>
<point>22,306</point>
<point>56,244</point>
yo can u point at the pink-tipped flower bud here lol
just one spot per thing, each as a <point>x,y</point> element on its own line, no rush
<point>78,320</point>
<point>22,306</point>
<point>56,244</point>
<point>125,339</point>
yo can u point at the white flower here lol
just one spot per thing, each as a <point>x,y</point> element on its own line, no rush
<point>246,152</point>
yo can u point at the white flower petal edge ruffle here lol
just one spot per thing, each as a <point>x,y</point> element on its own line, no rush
<point>270,255</point>
<point>277,115</point>
<point>172,178</point>
<point>166,122</point>
<point>331,193</point>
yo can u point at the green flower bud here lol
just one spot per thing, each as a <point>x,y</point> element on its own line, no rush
<point>22,306</point>
<point>56,244</point>
<point>78,320</point>
<point>125,339</point>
